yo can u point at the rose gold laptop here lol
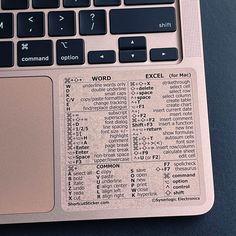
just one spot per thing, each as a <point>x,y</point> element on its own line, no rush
<point>103,110</point>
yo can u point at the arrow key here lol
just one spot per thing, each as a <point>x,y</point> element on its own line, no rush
<point>164,54</point>
<point>126,43</point>
<point>102,57</point>
<point>128,56</point>
<point>30,24</point>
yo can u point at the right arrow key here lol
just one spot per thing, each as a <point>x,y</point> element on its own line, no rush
<point>164,54</point>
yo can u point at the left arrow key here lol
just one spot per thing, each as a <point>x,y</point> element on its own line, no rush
<point>102,57</point>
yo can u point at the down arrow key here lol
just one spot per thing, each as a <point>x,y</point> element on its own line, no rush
<point>128,56</point>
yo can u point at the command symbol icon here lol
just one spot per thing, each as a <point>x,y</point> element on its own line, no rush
<point>24,46</point>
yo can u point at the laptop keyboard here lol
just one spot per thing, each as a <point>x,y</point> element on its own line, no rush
<point>55,32</point>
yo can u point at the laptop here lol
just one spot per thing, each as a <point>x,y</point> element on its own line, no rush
<point>103,110</point>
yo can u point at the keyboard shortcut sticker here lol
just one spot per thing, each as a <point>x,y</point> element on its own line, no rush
<point>129,142</point>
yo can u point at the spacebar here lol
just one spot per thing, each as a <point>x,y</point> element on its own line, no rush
<point>143,20</point>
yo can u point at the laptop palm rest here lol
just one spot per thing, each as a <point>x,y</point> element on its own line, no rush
<point>26,145</point>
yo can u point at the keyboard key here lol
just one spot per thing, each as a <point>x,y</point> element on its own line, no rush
<point>133,56</point>
<point>142,20</point>
<point>35,53</point>
<point>107,2</point>
<point>132,43</point>
<point>76,3</point>
<point>6,25</point>
<point>102,57</point>
<point>61,23</point>
<point>41,4</point>
<point>92,22</point>
<point>6,56</point>
<point>164,54</point>
<point>70,52</point>
<point>143,2</point>
<point>30,24</point>
<point>15,4</point>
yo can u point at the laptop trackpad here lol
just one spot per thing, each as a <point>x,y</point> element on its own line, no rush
<point>26,145</point>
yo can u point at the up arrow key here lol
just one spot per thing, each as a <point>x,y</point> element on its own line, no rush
<point>128,43</point>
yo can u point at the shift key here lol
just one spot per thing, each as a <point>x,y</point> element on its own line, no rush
<point>143,20</point>
<point>35,53</point>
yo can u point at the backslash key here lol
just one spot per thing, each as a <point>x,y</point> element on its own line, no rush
<point>35,53</point>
